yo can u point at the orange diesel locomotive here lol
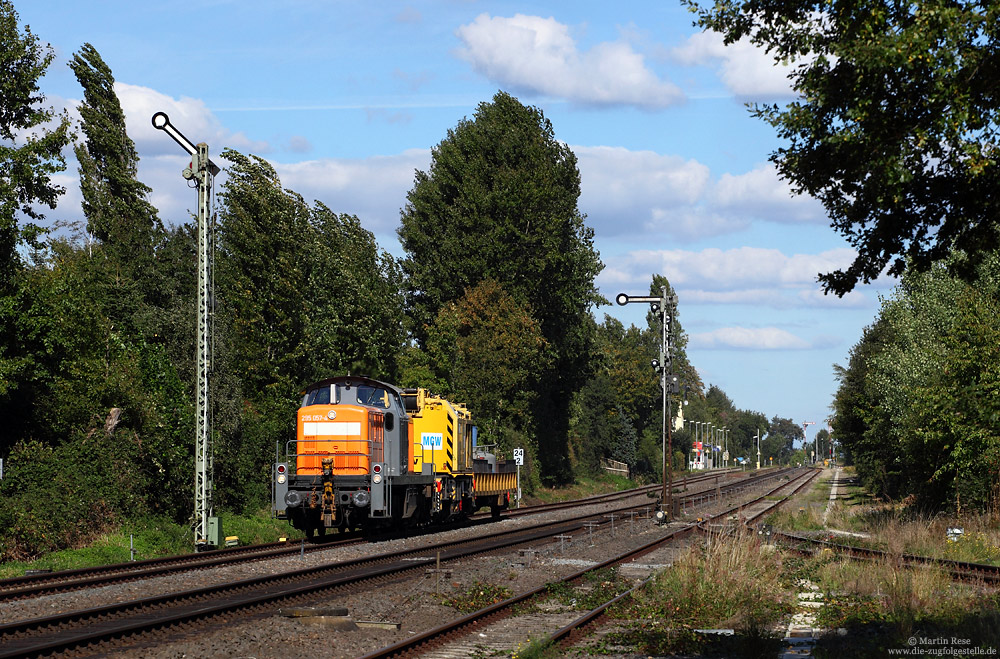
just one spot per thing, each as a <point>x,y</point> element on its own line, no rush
<point>367,453</point>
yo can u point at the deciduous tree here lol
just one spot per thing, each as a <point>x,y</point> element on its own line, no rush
<point>500,202</point>
<point>492,350</point>
<point>895,126</point>
<point>31,141</point>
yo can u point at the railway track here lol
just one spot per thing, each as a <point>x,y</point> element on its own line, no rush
<point>455,637</point>
<point>37,585</point>
<point>957,570</point>
<point>98,625</point>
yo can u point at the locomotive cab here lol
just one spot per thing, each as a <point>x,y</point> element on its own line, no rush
<point>367,453</point>
<point>346,450</point>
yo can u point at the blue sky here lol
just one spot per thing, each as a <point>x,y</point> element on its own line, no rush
<point>347,99</point>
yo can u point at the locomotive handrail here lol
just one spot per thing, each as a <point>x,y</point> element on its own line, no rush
<point>293,456</point>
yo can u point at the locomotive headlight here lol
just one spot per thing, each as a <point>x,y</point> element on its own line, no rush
<point>377,478</point>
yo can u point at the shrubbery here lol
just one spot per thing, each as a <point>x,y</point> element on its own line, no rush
<point>54,498</point>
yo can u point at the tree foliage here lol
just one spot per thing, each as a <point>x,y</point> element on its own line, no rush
<point>31,141</point>
<point>916,409</point>
<point>895,127</point>
<point>780,441</point>
<point>500,203</point>
<point>303,293</point>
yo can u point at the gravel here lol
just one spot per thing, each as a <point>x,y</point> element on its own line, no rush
<point>412,601</point>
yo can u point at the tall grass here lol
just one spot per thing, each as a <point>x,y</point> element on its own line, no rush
<point>725,582</point>
<point>894,527</point>
<point>583,486</point>
<point>883,605</point>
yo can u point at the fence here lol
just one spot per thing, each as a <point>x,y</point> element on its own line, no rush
<point>615,467</point>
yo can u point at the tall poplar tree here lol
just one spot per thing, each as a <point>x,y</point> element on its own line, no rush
<point>500,202</point>
<point>115,202</point>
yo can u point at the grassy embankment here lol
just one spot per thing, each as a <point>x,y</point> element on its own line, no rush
<point>883,605</point>
<point>151,538</point>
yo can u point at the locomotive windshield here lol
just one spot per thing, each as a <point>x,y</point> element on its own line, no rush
<point>320,396</point>
<point>373,396</point>
<point>368,395</point>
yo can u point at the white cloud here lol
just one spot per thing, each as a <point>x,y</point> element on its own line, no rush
<point>746,70</point>
<point>743,338</point>
<point>855,299</point>
<point>779,298</point>
<point>693,223</point>
<point>372,188</point>
<point>625,191</point>
<point>190,116</point>
<point>748,267</point>
<point>744,275</point>
<point>538,55</point>
<point>768,297</point>
<point>762,194</point>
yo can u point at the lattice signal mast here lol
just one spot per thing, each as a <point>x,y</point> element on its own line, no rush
<point>805,426</point>
<point>664,305</point>
<point>207,529</point>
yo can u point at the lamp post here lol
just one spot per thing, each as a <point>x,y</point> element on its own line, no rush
<point>722,456</point>
<point>703,427</point>
<point>725,441</point>
<point>664,305</point>
<point>704,456</point>
<point>712,437</point>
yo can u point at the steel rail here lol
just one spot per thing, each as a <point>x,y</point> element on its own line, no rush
<point>20,638</point>
<point>37,585</point>
<point>472,621</point>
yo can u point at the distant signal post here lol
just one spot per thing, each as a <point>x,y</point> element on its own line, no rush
<point>663,305</point>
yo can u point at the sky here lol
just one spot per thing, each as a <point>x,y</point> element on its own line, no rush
<point>347,99</point>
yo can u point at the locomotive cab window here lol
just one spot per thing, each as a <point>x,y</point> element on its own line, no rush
<point>320,396</point>
<point>373,397</point>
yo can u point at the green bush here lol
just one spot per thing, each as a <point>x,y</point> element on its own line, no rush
<point>62,497</point>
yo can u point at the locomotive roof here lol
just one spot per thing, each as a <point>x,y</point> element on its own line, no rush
<point>352,380</point>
